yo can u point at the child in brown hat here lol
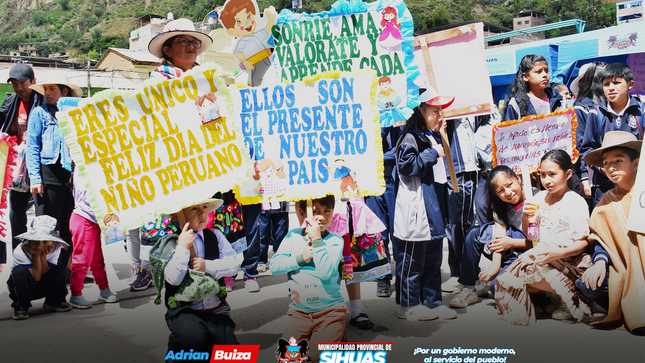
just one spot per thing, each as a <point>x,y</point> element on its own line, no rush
<point>613,281</point>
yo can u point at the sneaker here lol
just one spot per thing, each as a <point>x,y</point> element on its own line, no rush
<point>464,298</point>
<point>79,302</point>
<point>443,312</point>
<point>562,313</point>
<point>251,285</point>
<point>383,288</point>
<point>88,279</point>
<point>229,283</point>
<point>108,296</point>
<point>451,286</point>
<point>262,267</point>
<point>481,289</point>
<point>143,280</point>
<point>423,313</point>
<point>133,274</point>
<point>60,307</point>
<point>20,313</point>
<point>404,312</point>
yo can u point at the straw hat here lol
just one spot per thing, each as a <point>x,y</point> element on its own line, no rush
<point>56,77</point>
<point>213,204</point>
<point>432,98</point>
<point>173,29</point>
<point>613,139</point>
<point>43,228</point>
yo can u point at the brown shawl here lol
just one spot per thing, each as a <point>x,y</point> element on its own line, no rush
<point>608,225</point>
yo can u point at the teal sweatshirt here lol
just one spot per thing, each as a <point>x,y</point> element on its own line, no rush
<point>314,285</point>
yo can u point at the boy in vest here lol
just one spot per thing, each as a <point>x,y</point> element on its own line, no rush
<point>199,324</point>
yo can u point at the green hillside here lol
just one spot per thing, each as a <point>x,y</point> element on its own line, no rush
<point>94,25</point>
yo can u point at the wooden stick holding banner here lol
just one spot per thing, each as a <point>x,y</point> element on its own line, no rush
<point>444,136</point>
<point>526,181</point>
<point>310,210</point>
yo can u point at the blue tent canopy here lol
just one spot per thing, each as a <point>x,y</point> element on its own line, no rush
<point>565,54</point>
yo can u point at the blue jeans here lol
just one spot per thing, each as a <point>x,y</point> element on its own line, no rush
<point>473,250</point>
<point>383,207</point>
<point>600,296</point>
<point>251,214</point>
<point>461,217</point>
<point>274,225</point>
<point>481,201</point>
<point>418,271</point>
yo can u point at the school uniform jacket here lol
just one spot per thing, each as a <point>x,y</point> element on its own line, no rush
<point>513,109</point>
<point>417,161</point>
<point>600,121</point>
<point>582,109</point>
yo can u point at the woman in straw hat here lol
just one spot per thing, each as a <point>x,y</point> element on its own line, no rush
<point>48,160</point>
<point>178,46</point>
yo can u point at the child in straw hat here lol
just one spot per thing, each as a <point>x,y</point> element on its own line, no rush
<point>205,320</point>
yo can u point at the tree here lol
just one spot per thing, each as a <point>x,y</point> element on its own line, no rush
<point>64,4</point>
<point>96,33</point>
<point>92,54</point>
<point>440,16</point>
<point>98,12</point>
<point>39,17</point>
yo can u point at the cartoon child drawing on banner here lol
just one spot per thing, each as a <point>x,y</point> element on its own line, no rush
<point>390,36</point>
<point>348,186</point>
<point>290,351</point>
<point>207,107</point>
<point>114,232</point>
<point>387,97</point>
<point>252,45</point>
<point>268,171</point>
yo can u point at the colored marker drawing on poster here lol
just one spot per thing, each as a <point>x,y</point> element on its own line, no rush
<point>149,152</point>
<point>352,36</point>
<point>253,40</point>
<point>523,142</point>
<point>310,139</point>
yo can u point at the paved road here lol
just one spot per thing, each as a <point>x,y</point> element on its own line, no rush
<point>134,329</point>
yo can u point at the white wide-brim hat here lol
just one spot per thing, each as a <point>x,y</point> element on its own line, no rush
<point>575,85</point>
<point>43,228</point>
<point>173,29</point>
<point>56,77</point>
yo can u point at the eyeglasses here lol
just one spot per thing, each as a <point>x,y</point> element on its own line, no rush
<point>185,42</point>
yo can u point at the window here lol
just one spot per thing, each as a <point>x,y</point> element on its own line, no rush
<point>526,21</point>
<point>519,23</point>
<point>621,6</point>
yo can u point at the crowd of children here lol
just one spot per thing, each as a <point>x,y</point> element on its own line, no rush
<point>582,264</point>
